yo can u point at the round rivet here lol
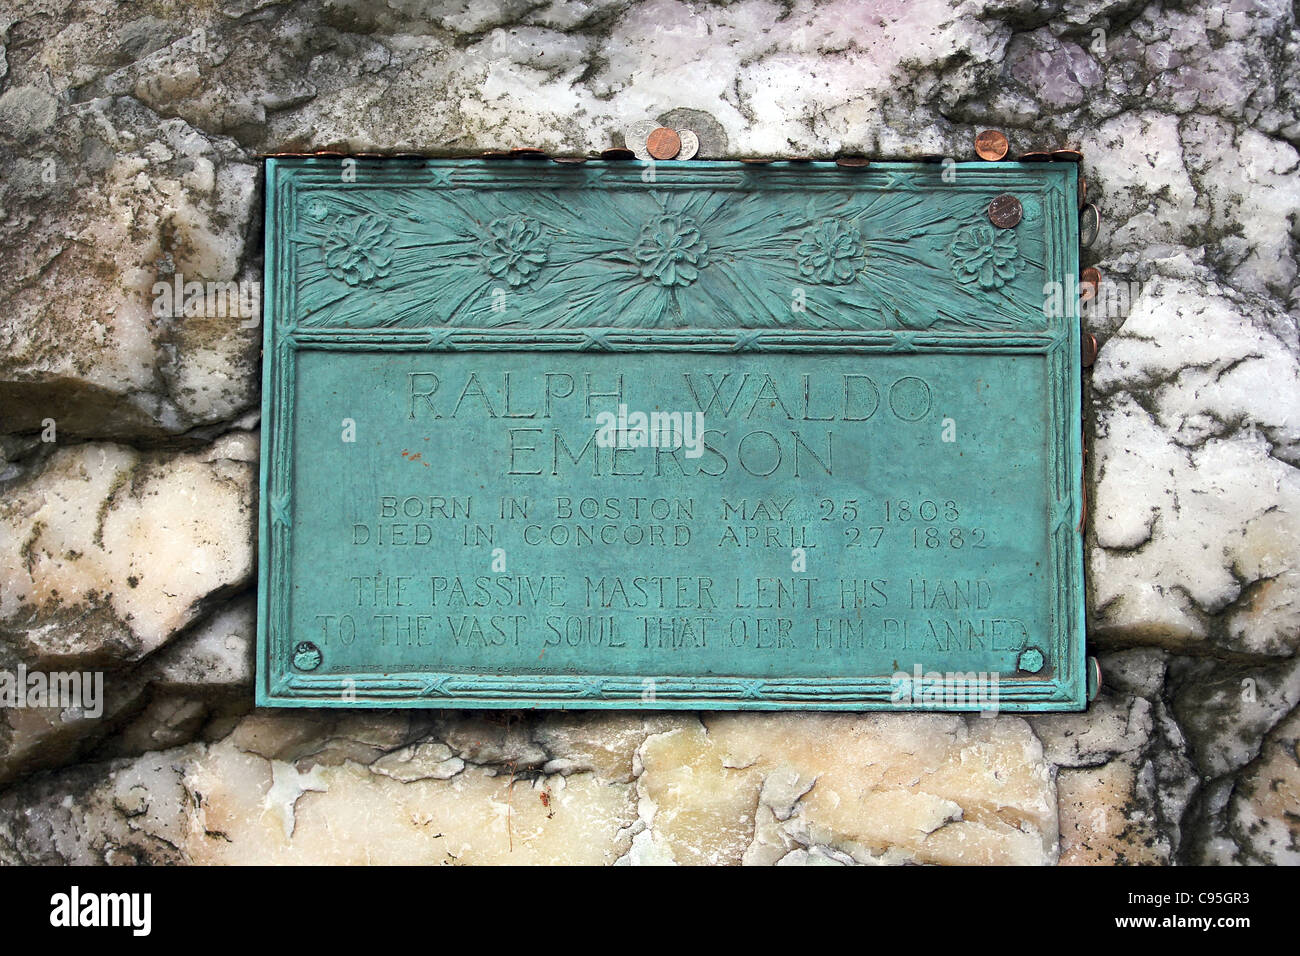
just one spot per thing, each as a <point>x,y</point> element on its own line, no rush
<point>306,656</point>
<point>1005,211</point>
<point>1031,660</point>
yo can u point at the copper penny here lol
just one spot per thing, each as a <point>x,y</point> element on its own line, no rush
<point>1035,156</point>
<point>1090,349</point>
<point>663,143</point>
<point>853,162</point>
<point>991,145</point>
<point>1089,282</point>
<point>1005,211</point>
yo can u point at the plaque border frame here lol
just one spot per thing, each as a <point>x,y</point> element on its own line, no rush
<point>278,684</point>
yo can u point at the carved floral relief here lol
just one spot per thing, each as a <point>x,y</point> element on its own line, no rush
<point>646,258</point>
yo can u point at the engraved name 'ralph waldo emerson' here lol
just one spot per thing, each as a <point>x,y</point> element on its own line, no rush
<point>553,436</point>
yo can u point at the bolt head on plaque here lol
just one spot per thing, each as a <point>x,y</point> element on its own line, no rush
<point>1031,660</point>
<point>306,656</point>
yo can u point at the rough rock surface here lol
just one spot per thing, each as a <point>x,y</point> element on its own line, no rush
<point>129,144</point>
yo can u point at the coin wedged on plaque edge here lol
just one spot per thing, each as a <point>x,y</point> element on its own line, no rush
<point>690,144</point>
<point>991,145</point>
<point>636,135</point>
<point>664,144</point>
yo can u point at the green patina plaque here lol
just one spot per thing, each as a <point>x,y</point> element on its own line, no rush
<point>692,435</point>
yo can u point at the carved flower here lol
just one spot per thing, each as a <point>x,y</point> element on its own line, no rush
<point>515,250</point>
<point>358,250</point>
<point>828,252</point>
<point>671,250</point>
<point>985,255</point>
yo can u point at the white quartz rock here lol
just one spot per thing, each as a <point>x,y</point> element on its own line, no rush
<point>215,655</point>
<point>1196,506</point>
<point>1150,200</point>
<point>878,788</point>
<point>106,553</point>
<point>1262,814</point>
<point>101,220</point>
<point>430,760</point>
